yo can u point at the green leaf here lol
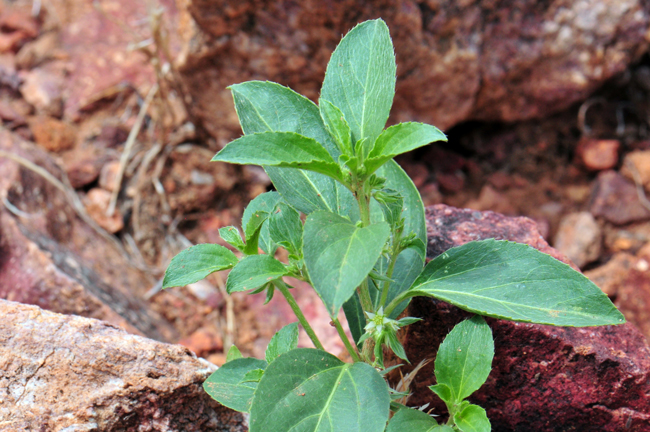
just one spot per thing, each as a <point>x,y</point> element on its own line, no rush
<point>395,345</point>
<point>253,231</point>
<point>339,255</point>
<point>444,392</point>
<point>464,359</point>
<point>413,213</point>
<point>263,203</point>
<point>227,387</point>
<point>285,340</point>
<point>253,272</point>
<point>196,262</point>
<point>407,268</point>
<point>355,317</point>
<point>472,419</point>
<point>360,79</point>
<point>310,390</point>
<point>233,354</point>
<point>401,138</point>
<point>337,126</point>
<point>281,149</point>
<point>231,235</point>
<point>253,376</point>
<point>265,107</point>
<point>285,228</point>
<point>412,420</point>
<point>516,282</point>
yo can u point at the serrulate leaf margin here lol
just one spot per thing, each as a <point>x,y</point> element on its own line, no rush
<point>360,79</point>
<point>226,387</point>
<point>516,282</point>
<point>266,106</point>
<point>464,359</point>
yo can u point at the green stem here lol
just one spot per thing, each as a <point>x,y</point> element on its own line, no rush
<point>391,266</point>
<point>280,285</point>
<point>352,350</point>
<point>399,299</point>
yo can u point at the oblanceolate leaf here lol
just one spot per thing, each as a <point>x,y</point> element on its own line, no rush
<point>281,149</point>
<point>472,419</point>
<point>231,235</point>
<point>310,390</point>
<point>196,262</point>
<point>360,79</point>
<point>253,272</point>
<point>285,228</point>
<point>401,138</point>
<point>337,126</point>
<point>233,354</point>
<point>412,420</point>
<point>227,385</point>
<point>267,106</point>
<point>464,359</point>
<point>256,217</point>
<point>339,255</point>
<point>514,281</point>
<point>285,340</point>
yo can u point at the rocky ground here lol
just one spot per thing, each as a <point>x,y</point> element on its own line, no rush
<point>111,111</point>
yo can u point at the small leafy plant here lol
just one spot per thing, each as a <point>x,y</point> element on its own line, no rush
<point>362,248</point>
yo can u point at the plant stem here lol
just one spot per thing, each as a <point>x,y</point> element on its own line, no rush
<point>397,300</point>
<point>391,267</point>
<point>352,350</point>
<point>280,285</point>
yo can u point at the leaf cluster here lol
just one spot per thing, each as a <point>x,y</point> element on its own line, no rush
<point>352,223</point>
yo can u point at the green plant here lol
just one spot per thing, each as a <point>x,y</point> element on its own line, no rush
<point>362,248</point>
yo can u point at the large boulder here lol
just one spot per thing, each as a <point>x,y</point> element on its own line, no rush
<point>67,373</point>
<point>543,378</point>
<point>489,60</point>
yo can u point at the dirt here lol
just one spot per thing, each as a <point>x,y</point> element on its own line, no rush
<point>83,110</point>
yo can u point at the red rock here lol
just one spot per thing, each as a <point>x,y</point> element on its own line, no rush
<point>616,200</point>
<point>597,154</point>
<point>543,378</point>
<point>497,61</point>
<point>450,183</point>
<point>610,276</point>
<point>38,51</point>
<point>579,238</point>
<point>43,90</point>
<point>637,164</point>
<point>96,202</point>
<point>83,165</point>
<point>52,134</point>
<point>108,175</point>
<point>633,297</point>
<point>490,199</point>
<point>203,341</point>
<point>19,20</point>
<point>67,372</point>
<point>10,42</point>
<point>9,114</point>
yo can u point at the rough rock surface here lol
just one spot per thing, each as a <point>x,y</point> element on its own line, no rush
<point>490,60</point>
<point>616,200</point>
<point>633,297</point>
<point>48,256</point>
<point>579,237</point>
<point>65,373</point>
<point>544,378</point>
